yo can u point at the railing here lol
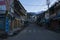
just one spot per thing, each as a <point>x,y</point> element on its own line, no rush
<point>2,11</point>
<point>22,11</point>
<point>51,16</point>
<point>18,12</point>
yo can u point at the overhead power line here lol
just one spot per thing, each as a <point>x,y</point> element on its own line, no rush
<point>33,5</point>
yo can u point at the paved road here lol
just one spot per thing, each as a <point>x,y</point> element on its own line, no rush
<point>34,32</point>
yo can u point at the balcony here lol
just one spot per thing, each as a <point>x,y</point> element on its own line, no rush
<point>2,11</point>
<point>22,12</point>
<point>53,15</point>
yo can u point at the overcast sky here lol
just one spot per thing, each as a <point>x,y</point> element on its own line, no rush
<point>35,5</point>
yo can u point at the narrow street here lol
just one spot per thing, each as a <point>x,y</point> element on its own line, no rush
<point>34,32</point>
<point>29,20</point>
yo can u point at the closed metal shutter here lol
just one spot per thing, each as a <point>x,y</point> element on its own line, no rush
<point>2,23</point>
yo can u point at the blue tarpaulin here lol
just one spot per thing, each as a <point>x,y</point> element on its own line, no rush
<point>7,24</point>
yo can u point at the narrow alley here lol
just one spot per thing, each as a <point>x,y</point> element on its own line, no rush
<point>34,32</point>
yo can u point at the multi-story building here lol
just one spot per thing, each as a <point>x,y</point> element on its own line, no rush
<point>55,16</point>
<point>12,15</point>
<point>41,18</point>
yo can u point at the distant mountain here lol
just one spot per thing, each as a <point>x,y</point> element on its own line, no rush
<point>31,13</point>
<point>34,13</point>
<point>40,12</point>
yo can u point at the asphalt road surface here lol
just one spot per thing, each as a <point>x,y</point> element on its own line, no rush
<point>34,32</point>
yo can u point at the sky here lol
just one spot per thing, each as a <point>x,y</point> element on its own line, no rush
<point>35,5</point>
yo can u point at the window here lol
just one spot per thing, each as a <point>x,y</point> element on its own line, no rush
<point>58,12</point>
<point>2,7</point>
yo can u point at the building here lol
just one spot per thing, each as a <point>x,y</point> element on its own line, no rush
<point>12,15</point>
<point>54,17</point>
<point>31,17</point>
<point>41,18</point>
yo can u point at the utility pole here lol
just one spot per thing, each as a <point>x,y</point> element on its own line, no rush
<point>48,15</point>
<point>48,3</point>
<point>58,0</point>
